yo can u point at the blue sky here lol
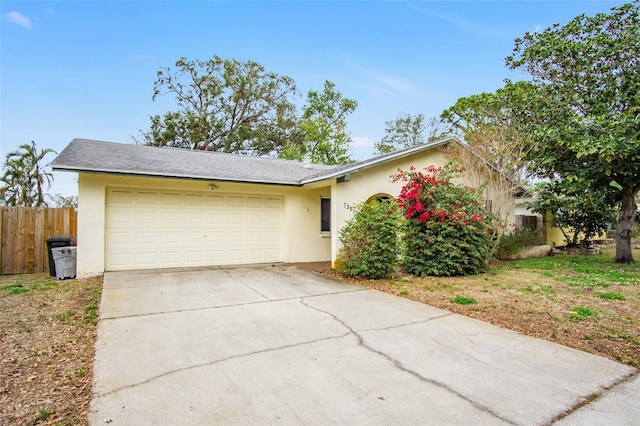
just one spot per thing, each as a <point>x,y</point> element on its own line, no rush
<point>86,68</point>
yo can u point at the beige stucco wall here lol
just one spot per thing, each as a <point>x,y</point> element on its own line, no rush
<point>302,240</point>
<point>366,183</point>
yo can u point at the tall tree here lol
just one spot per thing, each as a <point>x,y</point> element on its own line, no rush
<point>590,70</point>
<point>24,176</point>
<point>406,131</point>
<point>323,124</point>
<point>403,132</point>
<point>494,129</point>
<point>224,105</point>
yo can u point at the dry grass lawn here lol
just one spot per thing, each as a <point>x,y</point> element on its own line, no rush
<point>47,338</point>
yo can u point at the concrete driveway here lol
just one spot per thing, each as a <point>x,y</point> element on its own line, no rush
<point>279,345</point>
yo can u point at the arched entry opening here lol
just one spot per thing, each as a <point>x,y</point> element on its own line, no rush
<point>380,197</point>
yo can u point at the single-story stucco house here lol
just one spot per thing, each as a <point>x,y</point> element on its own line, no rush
<point>142,207</point>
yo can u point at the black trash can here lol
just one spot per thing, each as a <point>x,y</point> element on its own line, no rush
<point>56,242</point>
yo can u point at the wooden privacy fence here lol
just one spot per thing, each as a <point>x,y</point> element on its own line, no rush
<point>24,232</point>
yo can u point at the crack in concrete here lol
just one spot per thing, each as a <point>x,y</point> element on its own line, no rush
<point>214,362</point>
<point>204,308</point>
<point>401,367</point>
<point>236,279</point>
<point>408,323</point>
<point>593,397</point>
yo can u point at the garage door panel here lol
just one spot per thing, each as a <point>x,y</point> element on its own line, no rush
<point>170,238</point>
<point>254,255</point>
<point>146,216</point>
<point>235,255</point>
<point>273,203</point>
<point>215,201</point>
<point>272,255</point>
<point>254,236</point>
<point>146,238</point>
<point>120,197</point>
<point>120,216</point>
<point>215,218</point>
<point>216,237</point>
<point>234,218</point>
<point>254,202</point>
<point>147,229</point>
<point>146,198</point>
<point>169,217</point>
<point>170,199</point>
<point>235,201</point>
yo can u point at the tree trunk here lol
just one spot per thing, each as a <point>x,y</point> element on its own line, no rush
<point>625,227</point>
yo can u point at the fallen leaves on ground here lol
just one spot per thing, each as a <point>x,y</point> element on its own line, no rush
<point>47,338</point>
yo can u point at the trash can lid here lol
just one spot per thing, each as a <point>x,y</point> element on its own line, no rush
<point>60,239</point>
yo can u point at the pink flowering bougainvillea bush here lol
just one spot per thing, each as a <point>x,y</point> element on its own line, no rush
<point>448,232</point>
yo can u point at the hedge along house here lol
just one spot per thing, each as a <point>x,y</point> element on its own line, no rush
<point>142,207</point>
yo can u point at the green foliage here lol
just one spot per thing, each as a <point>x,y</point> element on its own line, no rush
<point>582,270</point>
<point>224,105</point>
<point>581,313</point>
<point>323,124</point>
<point>402,132</point>
<point>370,245</point>
<point>611,296</point>
<point>584,213</point>
<point>43,414</point>
<point>407,131</point>
<point>516,240</point>
<point>59,200</point>
<point>494,128</point>
<point>24,177</point>
<point>91,311</point>
<point>15,288</point>
<point>65,317</point>
<point>585,134</point>
<point>447,230</point>
<point>461,300</point>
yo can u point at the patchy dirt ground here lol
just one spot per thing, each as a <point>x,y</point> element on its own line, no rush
<point>47,337</point>
<point>585,302</point>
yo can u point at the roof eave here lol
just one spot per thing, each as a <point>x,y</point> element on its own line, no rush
<point>169,176</point>
<point>375,162</point>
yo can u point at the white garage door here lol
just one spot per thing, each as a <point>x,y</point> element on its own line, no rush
<point>164,229</point>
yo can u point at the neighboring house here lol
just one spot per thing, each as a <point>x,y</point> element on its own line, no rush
<point>142,207</point>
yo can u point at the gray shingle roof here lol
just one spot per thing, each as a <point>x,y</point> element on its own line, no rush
<point>85,155</point>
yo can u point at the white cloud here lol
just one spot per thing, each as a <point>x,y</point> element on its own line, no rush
<point>365,141</point>
<point>17,18</point>
<point>461,23</point>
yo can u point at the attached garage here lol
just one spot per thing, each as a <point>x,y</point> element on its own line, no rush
<point>159,229</point>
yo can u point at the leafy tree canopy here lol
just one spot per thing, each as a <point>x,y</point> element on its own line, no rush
<point>24,176</point>
<point>224,105</point>
<point>323,124</point>
<point>406,131</point>
<point>495,129</point>
<point>588,74</point>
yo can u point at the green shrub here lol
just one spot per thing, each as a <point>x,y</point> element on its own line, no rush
<point>448,232</point>
<point>370,246</point>
<point>461,300</point>
<point>512,242</point>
